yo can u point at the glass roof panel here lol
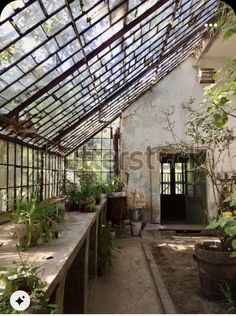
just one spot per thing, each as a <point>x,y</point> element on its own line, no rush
<point>8,34</point>
<point>52,5</point>
<point>27,18</point>
<point>58,75</point>
<point>56,22</point>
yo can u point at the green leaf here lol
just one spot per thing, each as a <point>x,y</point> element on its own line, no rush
<point>233,254</point>
<point>231,230</point>
<point>234,244</point>
<point>227,199</point>
<point>220,120</point>
<point>213,224</point>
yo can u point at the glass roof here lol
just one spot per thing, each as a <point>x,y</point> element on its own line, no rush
<point>70,67</point>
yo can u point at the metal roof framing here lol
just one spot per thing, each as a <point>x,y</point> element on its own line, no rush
<point>70,67</point>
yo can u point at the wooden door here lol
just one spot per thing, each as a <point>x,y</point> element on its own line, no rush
<point>173,179</point>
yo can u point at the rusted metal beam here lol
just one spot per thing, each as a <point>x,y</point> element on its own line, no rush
<point>85,79</point>
<point>127,85</point>
<point>144,89</point>
<point>94,53</point>
<point>114,116</point>
<point>20,142</point>
<point>108,83</point>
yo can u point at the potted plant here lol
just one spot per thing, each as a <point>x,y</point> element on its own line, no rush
<point>72,193</point>
<point>52,220</point>
<point>96,191</point>
<point>105,190</point>
<point>27,219</point>
<point>90,192</point>
<point>117,186</point>
<point>217,260</point>
<point>24,276</point>
<point>136,214</point>
<point>88,204</point>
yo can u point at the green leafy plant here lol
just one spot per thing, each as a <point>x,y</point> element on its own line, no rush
<point>27,216</point>
<point>92,186</point>
<point>106,189</point>
<point>218,105</point>
<point>88,204</point>
<point>70,190</point>
<point>231,199</point>
<point>26,209</point>
<point>116,184</point>
<point>24,276</point>
<point>52,220</point>
<point>229,292</point>
<point>228,23</point>
<point>226,232</point>
<point>205,137</point>
<point>105,250</point>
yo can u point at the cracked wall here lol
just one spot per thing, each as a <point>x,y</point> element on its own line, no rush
<point>143,126</point>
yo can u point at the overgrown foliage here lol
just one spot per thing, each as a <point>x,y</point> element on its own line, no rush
<point>105,249</point>
<point>218,105</point>
<point>24,276</point>
<point>203,135</point>
<point>226,232</point>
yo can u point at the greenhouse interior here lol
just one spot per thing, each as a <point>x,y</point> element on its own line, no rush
<point>117,157</point>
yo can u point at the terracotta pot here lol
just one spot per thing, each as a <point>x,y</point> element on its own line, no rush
<point>216,269</point>
<point>22,233</point>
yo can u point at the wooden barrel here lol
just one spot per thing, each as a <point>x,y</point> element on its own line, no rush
<point>216,270</point>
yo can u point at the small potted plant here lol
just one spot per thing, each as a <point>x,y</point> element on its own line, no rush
<point>24,276</point>
<point>117,186</point>
<point>27,219</point>
<point>136,213</point>
<point>96,191</point>
<point>88,204</point>
<point>52,220</point>
<point>72,194</point>
<point>105,190</point>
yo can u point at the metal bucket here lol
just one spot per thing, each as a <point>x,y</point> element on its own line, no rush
<point>134,215</point>
<point>135,228</point>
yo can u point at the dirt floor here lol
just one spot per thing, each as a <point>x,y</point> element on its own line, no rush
<point>174,256</point>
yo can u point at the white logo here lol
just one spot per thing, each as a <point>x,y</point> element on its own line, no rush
<point>20,300</point>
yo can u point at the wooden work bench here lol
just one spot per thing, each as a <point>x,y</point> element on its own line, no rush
<point>69,264</point>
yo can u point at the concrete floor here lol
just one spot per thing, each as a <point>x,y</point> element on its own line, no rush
<point>129,287</point>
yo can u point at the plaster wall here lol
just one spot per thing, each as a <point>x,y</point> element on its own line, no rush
<point>143,126</point>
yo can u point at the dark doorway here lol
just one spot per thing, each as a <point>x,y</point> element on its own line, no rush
<point>182,188</point>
